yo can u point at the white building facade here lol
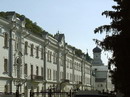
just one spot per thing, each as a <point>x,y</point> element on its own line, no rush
<point>36,62</point>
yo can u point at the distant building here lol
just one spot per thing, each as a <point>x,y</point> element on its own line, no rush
<point>101,72</point>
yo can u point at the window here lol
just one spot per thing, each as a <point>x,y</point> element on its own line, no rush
<point>6,40</point>
<point>37,52</point>
<point>42,53</point>
<point>25,69</point>
<point>31,69</point>
<point>5,65</point>
<point>26,48</point>
<point>54,75</point>
<point>68,76</point>
<point>42,90</point>
<point>71,77</point>
<point>54,58</point>
<point>48,53</point>
<point>71,64</point>
<point>37,70</point>
<point>25,90</point>
<point>16,43</point>
<point>49,74</point>
<point>32,47</point>
<point>79,67</point>
<point>101,85</point>
<point>32,88</point>
<point>42,71</point>
<point>50,56</point>
<point>61,61</point>
<point>37,90</point>
<point>0,30</point>
<point>61,75</point>
<point>67,65</point>
<point>75,66</point>
<point>6,89</point>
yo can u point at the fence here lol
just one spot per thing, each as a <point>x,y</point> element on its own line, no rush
<point>51,93</point>
<point>7,94</point>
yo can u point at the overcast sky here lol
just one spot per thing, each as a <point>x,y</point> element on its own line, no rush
<point>77,19</point>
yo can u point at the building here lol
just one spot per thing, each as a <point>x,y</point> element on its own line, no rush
<point>101,73</point>
<point>36,62</point>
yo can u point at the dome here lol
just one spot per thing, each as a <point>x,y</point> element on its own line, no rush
<point>97,50</point>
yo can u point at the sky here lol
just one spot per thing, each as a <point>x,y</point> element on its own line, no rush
<point>77,19</point>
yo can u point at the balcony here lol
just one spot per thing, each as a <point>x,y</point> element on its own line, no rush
<point>79,82</point>
<point>36,78</point>
<point>65,81</point>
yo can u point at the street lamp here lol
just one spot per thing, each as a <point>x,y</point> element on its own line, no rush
<point>18,83</point>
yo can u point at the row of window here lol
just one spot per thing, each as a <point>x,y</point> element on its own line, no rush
<point>37,70</point>
<point>49,53</point>
<point>32,50</point>
<point>69,62</point>
<point>49,72</point>
<point>7,89</point>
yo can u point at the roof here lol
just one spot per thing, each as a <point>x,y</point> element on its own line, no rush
<point>97,50</point>
<point>59,36</point>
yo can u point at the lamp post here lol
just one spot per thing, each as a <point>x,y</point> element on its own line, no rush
<point>18,83</point>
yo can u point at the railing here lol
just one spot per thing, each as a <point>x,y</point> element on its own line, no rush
<point>80,82</point>
<point>36,77</point>
<point>65,80</point>
<point>51,93</point>
<point>7,94</point>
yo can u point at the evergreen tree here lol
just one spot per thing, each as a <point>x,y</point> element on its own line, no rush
<point>117,40</point>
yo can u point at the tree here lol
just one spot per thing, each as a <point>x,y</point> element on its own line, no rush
<point>117,40</point>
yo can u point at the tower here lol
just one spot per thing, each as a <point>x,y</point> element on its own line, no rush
<point>97,57</point>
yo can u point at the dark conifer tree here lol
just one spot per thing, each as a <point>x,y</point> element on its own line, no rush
<point>117,40</point>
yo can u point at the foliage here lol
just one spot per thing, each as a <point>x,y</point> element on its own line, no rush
<point>38,30</point>
<point>117,40</point>
<point>79,53</point>
<point>29,24</point>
